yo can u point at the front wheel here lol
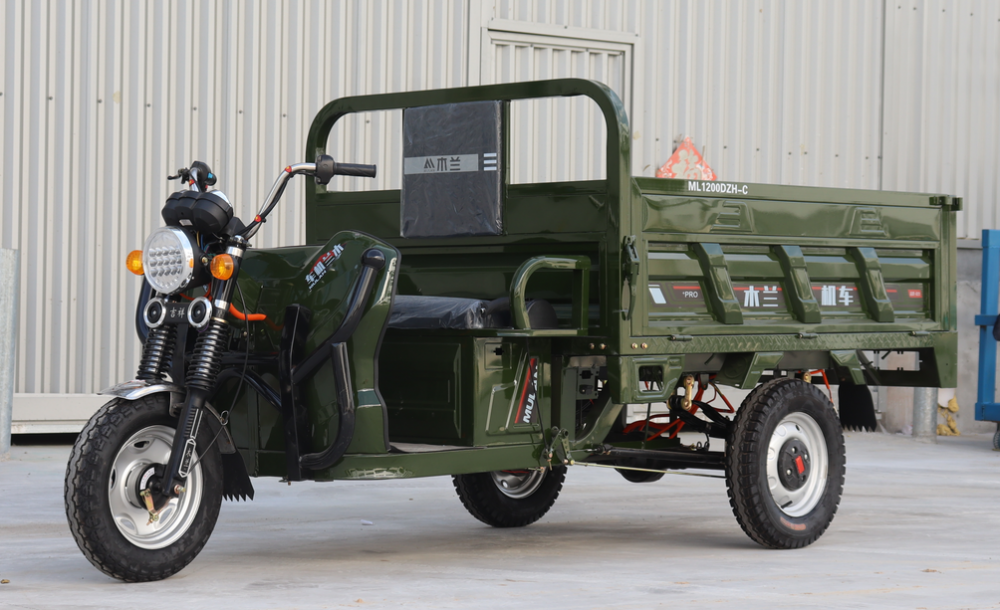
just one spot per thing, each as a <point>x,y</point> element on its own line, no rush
<point>510,498</point>
<point>785,464</point>
<point>123,446</point>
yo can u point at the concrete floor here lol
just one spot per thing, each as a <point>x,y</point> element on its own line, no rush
<point>918,527</point>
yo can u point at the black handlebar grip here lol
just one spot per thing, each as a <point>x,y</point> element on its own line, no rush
<point>355,169</point>
<point>327,168</point>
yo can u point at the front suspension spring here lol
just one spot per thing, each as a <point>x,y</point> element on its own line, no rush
<point>206,362</point>
<point>156,353</point>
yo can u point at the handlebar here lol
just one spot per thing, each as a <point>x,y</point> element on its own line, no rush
<point>202,174</point>
<point>324,170</point>
<point>198,177</point>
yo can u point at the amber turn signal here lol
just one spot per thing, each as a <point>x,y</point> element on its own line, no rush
<point>222,267</point>
<point>133,262</point>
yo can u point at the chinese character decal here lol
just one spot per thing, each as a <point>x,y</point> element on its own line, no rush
<point>838,297</point>
<point>761,297</point>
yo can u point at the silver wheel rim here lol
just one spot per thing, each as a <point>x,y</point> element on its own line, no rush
<point>143,449</point>
<point>518,484</point>
<point>801,427</point>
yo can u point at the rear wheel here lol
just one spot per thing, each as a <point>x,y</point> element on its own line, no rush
<point>510,498</point>
<point>125,446</point>
<point>785,464</point>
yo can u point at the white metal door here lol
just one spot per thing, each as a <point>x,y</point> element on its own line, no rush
<point>557,139</point>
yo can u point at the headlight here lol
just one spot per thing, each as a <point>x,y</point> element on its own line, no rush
<point>168,259</point>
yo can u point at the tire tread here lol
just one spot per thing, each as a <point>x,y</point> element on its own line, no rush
<point>84,481</point>
<point>742,483</point>
<point>479,495</point>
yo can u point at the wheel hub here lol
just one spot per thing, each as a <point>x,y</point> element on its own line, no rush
<point>796,464</point>
<point>148,479</point>
<point>793,464</point>
<point>518,484</point>
<point>135,469</point>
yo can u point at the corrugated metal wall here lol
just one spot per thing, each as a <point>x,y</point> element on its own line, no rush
<point>100,99</point>
<point>777,92</point>
<point>942,100</point>
<point>770,91</point>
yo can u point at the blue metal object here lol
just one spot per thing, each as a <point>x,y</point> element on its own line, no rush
<point>987,409</point>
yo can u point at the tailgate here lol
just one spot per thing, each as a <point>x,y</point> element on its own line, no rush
<point>751,259</point>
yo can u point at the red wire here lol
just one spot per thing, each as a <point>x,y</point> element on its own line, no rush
<point>639,424</point>
<point>236,313</point>
<point>677,423</point>
<point>825,382</point>
<point>239,315</point>
<point>724,399</point>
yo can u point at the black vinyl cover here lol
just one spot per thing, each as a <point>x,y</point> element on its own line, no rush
<point>439,312</point>
<point>451,170</point>
<point>456,313</point>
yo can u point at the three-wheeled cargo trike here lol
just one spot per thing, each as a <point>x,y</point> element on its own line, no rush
<point>495,332</point>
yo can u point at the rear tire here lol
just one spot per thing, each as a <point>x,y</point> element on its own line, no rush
<point>111,458</point>
<point>785,464</point>
<point>510,498</point>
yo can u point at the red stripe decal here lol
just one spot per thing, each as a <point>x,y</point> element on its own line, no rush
<point>524,390</point>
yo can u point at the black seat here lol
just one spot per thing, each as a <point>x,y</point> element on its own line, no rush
<point>420,312</point>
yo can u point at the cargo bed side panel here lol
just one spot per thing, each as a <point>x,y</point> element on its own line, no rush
<point>791,266</point>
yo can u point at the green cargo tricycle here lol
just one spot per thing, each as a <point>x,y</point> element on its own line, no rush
<point>463,325</point>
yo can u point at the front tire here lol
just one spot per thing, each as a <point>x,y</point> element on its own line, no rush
<point>111,461</point>
<point>785,464</point>
<point>510,498</point>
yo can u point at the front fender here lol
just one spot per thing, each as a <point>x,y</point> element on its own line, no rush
<point>137,388</point>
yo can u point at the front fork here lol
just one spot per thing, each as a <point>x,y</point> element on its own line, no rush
<point>203,370</point>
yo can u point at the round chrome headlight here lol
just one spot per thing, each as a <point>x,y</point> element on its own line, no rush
<point>168,260</point>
